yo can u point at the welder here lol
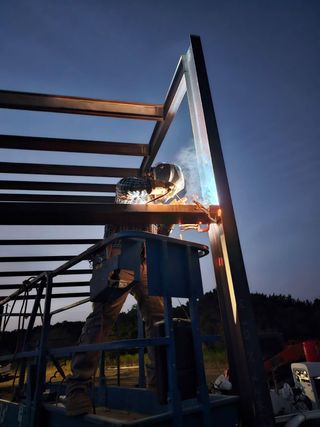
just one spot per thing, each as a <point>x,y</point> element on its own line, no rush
<point>160,185</point>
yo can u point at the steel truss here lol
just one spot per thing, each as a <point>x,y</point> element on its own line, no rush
<point>189,79</point>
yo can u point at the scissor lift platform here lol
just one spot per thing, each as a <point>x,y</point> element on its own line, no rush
<point>224,409</point>
<point>164,406</point>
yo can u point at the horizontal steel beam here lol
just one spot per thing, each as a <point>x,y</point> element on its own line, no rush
<point>75,105</point>
<point>73,145</point>
<point>44,169</point>
<point>55,285</point>
<point>30,273</point>
<point>99,214</point>
<point>54,198</point>
<point>27,242</point>
<point>57,186</point>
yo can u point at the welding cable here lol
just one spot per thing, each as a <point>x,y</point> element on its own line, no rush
<point>58,372</point>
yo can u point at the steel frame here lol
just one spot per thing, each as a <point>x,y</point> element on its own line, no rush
<point>73,145</point>
<point>168,246</point>
<point>76,105</point>
<point>190,78</point>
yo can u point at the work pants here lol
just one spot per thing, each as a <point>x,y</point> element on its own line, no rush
<point>99,323</point>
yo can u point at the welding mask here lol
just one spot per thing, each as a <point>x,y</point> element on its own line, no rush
<point>172,174</point>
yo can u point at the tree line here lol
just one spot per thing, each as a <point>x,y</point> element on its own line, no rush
<point>279,318</point>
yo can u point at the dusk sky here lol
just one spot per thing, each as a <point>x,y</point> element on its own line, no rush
<point>263,62</point>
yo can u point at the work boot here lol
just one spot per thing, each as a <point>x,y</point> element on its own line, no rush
<point>78,402</point>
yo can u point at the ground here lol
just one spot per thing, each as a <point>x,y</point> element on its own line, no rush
<point>128,374</point>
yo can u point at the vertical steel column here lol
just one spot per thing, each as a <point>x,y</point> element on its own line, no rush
<point>239,321</point>
<point>42,356</point>
<point>225,302</point>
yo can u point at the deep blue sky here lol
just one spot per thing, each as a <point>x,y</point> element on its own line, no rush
<point>263,61</point>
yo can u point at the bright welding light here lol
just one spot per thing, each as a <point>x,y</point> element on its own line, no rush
<point>135,198</point>
<point>207,182</point>
<point>199,177</point>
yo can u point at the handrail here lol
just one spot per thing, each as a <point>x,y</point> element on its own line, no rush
<point>29,284</point>
<point>83,348</point>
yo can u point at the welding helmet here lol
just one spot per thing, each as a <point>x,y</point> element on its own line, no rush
<point>172,174</point>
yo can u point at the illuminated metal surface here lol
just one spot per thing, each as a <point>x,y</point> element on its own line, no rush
<point>200,135</point>
<point>75,105</point>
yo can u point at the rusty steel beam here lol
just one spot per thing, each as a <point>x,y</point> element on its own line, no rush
<point>47,169</point>
<point>76,105</point>
<point>57,186</point>
<point>73,145</point>
<point>99,214</point>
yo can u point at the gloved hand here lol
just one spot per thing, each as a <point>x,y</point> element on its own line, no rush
<point>156,183</point>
